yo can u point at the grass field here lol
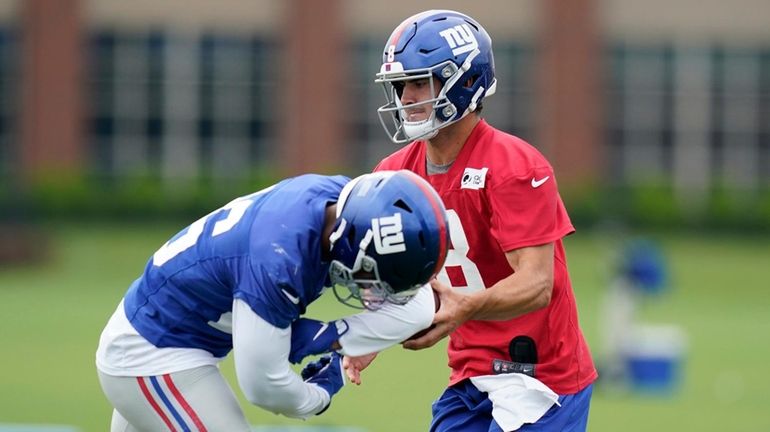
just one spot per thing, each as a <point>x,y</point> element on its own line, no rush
<point>51,317</point>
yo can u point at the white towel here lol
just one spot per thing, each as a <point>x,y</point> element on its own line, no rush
<point>516,398</point>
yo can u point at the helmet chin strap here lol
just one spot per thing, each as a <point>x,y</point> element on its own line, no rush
<point>424,129</point>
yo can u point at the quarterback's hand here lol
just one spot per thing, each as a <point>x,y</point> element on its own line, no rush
<point>311,337</point>
<point>354,365</point>
<point>451,313</point>
<point>325,373</point>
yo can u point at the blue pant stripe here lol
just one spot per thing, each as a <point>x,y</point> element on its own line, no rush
<point>159,390</point>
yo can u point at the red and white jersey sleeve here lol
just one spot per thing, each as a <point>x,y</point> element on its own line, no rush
<point>527,210</point>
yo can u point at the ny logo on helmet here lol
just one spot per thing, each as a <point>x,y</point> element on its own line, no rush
<point>460,39</point>
<point>388,234</point>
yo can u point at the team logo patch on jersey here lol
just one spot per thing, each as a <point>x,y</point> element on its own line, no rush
<point>460,39</point>
<point>474,178</point>
<point>388,234</point>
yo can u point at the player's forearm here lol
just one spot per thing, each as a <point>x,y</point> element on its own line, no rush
<point>284,393</point>
<point>520,293</point>
<point>263,371</point>
<point>281,391</point>
<point>371,332</point>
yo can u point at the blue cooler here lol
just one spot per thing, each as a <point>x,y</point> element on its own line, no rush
<point>653,358</point>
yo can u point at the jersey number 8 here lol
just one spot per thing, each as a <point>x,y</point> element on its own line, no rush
<point>458,257</point>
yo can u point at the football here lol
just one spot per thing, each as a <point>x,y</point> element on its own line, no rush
<point>437,304</point>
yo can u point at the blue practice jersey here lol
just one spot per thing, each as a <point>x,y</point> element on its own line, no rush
<point>263,248</point>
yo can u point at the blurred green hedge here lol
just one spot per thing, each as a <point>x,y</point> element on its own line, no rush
<point>643,205</point>
<point>658,206</point>
<point>134,198</point>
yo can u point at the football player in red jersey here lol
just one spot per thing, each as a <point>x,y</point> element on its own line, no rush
<point>518,358</point>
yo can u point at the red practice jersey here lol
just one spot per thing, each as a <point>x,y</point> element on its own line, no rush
<point>501,195</point>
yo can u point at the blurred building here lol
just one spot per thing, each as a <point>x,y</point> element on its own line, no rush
<point>656,92</point>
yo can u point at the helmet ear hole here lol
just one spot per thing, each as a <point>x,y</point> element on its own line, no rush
<point>402,205</point>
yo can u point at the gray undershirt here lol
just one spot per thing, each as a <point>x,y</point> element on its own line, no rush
<point>432,168</point>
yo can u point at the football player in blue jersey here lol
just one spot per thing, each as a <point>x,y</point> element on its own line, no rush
<point>241,278</point>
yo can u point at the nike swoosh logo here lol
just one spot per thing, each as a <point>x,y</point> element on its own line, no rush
<point>321,330</point>
<point>538,183</point>
<point>291,298</point>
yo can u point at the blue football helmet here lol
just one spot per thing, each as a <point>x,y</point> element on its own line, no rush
<point>390,238</point>
<point>449,49</point>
